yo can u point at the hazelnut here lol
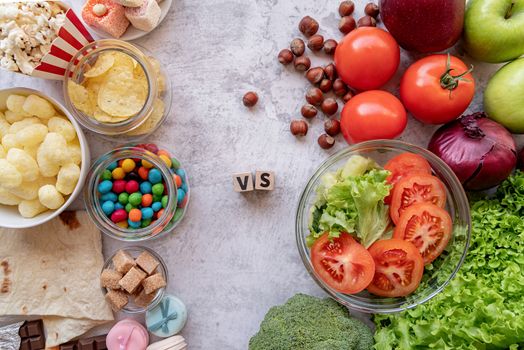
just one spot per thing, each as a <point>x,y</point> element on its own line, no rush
<point>347,96</point>
<point>316,42</point>
<point>308,111</point>
<point>250,99</point>
<point>325,85</point>
<point>297,46</point>
<point>367,21</point>
<point>332,127</point>
<point>331,71</point>
<point>346,8</point>
<point>329,106</point>
<point>315,75</point>
<point>329,46</point>
<point>285,56</point>
<point>372,10</point>
<point>326,141</point>
<point>347,24</point>
<point>339,87</point>
<point>302,63</point>
<point>308,26</point>
<point>298,127</point>
<point>314,96</point>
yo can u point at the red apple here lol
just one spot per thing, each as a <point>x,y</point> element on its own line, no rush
<point>424,25</point>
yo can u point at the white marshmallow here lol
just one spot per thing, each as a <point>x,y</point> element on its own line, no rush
<point>145,17</point>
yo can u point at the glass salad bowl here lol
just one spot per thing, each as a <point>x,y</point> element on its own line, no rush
<point>436,275</point>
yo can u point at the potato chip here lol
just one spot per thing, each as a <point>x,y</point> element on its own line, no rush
<point>102,116</point>
<point>122,98</point>
<point>152,121</point>
<point>123,60</point>
<point>103,63</point>
<point>79,96</point>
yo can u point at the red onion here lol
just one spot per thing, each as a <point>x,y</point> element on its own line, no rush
<point>481,152</point>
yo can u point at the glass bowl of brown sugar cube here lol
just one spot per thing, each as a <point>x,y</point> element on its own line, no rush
<point>134,279</point>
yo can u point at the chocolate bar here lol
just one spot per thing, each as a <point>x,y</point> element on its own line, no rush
<point>93,343</point>
<point>32,335</point>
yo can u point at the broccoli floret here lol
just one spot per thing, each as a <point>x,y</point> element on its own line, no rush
<point>308,323</point>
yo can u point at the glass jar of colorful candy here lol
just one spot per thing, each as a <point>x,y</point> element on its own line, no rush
<point>137,192</point>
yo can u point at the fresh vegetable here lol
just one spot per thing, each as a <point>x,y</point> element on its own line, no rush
<point>416,188</point>
<point>352,200</point>
<point>398,268</point>
<point>437,89</point>
<point>483,306</point>
<point>428,227</point>
<point>503,96</point>
<point>306,322</point>
<point>342,263</point>
<point>372,115</point>
<point>493,30</point>
<point>367,58</point>
<point>480,151</point>
<point>423,25</point>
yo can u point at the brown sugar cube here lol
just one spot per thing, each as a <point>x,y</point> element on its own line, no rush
<point>117,299</point>
<point>147,262</point>
<point>123,261</point>
<point>109,279</point>
<point>153,283</point>
<point>132,279</point>
<point>143,299</point>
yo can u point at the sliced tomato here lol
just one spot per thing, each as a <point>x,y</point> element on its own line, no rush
<point>416,188</point>
<point>428,227</point>
<point>405,164</point>
<point>342,263</point>
<point>398,268</point>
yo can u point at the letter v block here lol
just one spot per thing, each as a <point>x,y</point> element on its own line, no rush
<point>265,180</point>
<point>243,182</point>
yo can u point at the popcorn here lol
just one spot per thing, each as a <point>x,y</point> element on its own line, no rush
<point>49,196</point>
<point>36,105</point>
<point>27,190</point>
<point>29,209</point>
<point>10,177</point>
<point>20,125</point>
<point>12,117</point>
<point>10,141</point>
<point>32,136</point>
<point>47,167</point>
<point>67,178</point>
<point>62,127</point>
<point>54,148</point>
<point>15,103</point>
<point>24,163</point>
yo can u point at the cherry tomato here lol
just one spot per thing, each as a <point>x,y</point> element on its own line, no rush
<point>428,227</point>
<point>372,115</point>
<point>416,188</point>
<point>405,164</point>
<point>398,268</point>
<point>367,58</point>
<point>437,89</point>
<point>342,263</point>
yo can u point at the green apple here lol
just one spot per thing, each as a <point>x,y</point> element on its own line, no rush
<point>494,29</point>
<point>503,96</point>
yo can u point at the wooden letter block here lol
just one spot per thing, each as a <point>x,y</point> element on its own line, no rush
<point>265,180</point>
<point>243,182</point>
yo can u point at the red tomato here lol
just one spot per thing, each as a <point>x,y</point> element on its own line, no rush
<point>367,58</point>
<point>398,268</point>
<point>428,227</point>
<point>404,164</point>
<point>342,263</point>
<point>434,90</point>
<point>372,115</point>
<point>416,188</point>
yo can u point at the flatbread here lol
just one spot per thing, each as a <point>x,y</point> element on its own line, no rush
<point>53,271</point>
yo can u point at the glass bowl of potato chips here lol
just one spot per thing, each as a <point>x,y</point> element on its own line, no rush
<point>117,90</point>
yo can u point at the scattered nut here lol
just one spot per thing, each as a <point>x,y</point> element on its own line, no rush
<point>315,75</point>
<point>314,96</point>
<point>330,71</point>
<point>372,10</point>
<point>308,111</point>
<point>302,63</point>
<point>308,26</point>
<point>347,24</point>
<point>285,56</point>
<point>297,46</point>
<point>347,96</point>
<point>329,106</point>
<point>326,141</point>
<point>316,42</point>
<point>330,46</point>
<point>339,87</point>
<point>367,21</point>
<point>298,127</point>
<point>332,127</point>
<point>250,99</point>
<point>346,8</point>
<point>325,85</point>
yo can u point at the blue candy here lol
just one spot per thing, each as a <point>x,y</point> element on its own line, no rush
<point>105,186</point>
<point>108,207</point>
<point>180,195</point>
<point>118,205</point>
<point>146,187</point>
<point>182,173</point>
<point>110,196</point>
<point>147,213</point>
<point>156,206</point>
<point>155,176</point>
<point>112,166</point>
<point>184,187</point>
<point>134,224</point>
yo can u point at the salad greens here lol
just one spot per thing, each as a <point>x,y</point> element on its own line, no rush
<point>483,307</point>
<point>352,200</point>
